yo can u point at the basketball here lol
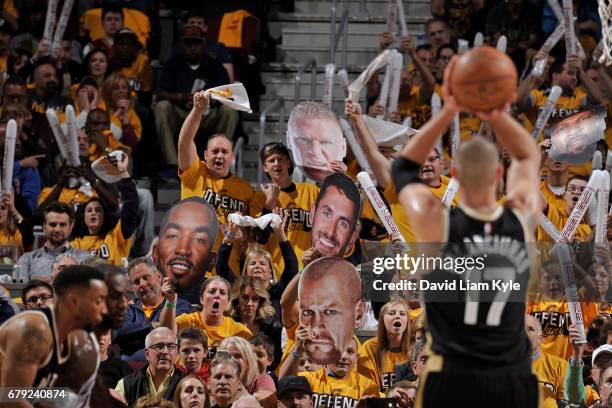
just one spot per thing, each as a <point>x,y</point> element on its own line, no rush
<point>483,79</point>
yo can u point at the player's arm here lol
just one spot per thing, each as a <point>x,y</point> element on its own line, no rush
<point>378,162</point>
<point>26,348</point>
<point>187,153</point>
<point>424,209</point>
<point>522,181</point>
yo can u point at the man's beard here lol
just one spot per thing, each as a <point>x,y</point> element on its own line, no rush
<point>55,241</point>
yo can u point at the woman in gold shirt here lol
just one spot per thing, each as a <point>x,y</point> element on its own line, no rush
<point>214,298</point>
<point>15,230</point>
<point>391,346</point>
<point>97,229</point>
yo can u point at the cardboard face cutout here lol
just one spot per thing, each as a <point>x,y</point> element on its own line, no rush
<point>574,139</point>
<point>334,217</point>
<point>184,252</point>
<point>315,142</point>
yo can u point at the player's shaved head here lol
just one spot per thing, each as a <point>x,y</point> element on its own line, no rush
<point>476,163</point>
<point>337,269</point>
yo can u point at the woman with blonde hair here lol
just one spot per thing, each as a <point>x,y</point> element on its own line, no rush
<point>191,393</point>
<point>258,262</point>
<point>15,230</point>
<point>125,123</point>
<point>261,386</point>
<point>391,346</point>
<point>251,306</point>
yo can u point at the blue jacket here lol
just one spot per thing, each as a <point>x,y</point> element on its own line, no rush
<point>29,183</point>
<point>131,336</point>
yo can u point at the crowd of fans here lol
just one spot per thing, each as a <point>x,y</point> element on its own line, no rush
<point>215,314</point>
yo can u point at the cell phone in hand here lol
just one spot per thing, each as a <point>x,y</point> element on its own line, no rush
<point>382,403</point>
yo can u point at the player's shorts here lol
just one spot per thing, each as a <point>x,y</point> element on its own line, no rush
<point>446,383</point>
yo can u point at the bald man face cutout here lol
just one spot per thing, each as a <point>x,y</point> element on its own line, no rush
<point>329,298</point>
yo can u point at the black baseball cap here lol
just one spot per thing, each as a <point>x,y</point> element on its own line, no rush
<point>275,147</point>
<point>293,383</point>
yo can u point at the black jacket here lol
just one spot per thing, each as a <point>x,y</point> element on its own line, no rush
<point>136,385</point>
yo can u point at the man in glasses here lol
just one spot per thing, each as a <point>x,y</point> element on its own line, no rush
<point>37,294</point>
<point>559,214</point>
<point>161,351</point>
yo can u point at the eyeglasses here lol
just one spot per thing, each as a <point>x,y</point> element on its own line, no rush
<point>432,159</point>
<point>572,189</point>
<point>159,347</point>
<point>34,299</point>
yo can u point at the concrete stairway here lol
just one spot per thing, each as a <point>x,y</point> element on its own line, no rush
<point>305,34</point>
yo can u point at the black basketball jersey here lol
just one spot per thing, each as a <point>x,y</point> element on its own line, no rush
<point>47,374</point>
<point>50,375</point>
<point>479,319</point>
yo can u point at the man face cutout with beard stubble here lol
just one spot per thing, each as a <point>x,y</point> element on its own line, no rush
<point>329,298</point>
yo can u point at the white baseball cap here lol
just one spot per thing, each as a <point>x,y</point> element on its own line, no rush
<point>606,348</point>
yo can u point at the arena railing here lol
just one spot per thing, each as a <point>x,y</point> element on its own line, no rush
<point>312,65</point>
<point>342,32</point>
<point>279,103</point>
<point>238,163</point>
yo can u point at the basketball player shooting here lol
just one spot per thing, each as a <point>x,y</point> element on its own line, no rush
<point>476,346</point>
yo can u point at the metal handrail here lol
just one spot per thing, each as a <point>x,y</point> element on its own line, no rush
<point>278,102</point>
<point>342,33</point>
<point>238,164</point>
<point>311,63</point>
